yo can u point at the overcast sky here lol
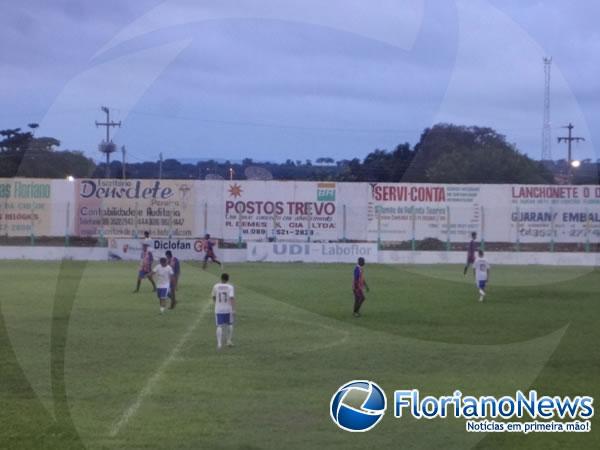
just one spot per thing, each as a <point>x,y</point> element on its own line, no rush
<point>302,79</point>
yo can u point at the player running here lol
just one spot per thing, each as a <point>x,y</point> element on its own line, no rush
<point>471,252</point>
<point>210,252</point>
<point>145,269</point>
<point>482,274</point>
<point>174,263</point>
<point>358,286</point>
<point>224,298</point>
<point>164,275</point>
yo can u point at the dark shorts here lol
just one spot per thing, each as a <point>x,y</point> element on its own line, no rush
<point>210,255</point>
<point>162,293</point>
<point>470,259</point>
<point>359,295</point>
<point>143,274</point>
<point>223,319</point>
<point>481,284</point>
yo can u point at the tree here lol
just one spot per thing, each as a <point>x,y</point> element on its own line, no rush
<point>325,160</point>
<point>456,154</point>
<point>15,140</point>
<point>171,168</point>
<point>351,170</point>
<point>43,144</point>
<point>402,158</point>
<point>24,155</point>
<point>382,165</point>
<point>33,126</point>
<point>377,166</point>
<point>41,164</point>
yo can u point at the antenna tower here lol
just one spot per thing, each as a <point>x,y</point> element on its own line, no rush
<point>546,130</point>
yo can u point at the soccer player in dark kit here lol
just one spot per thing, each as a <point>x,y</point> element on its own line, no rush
<point>210,253</point>
<point>471,252</point>
<point>358,286</point>
<point>173,261</point>
<point>145,268</point>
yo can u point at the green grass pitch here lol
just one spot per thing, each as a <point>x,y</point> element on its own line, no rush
<point>84,363</point>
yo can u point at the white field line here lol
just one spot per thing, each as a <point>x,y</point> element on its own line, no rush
<point>345,334</point>
<point>155,378</point>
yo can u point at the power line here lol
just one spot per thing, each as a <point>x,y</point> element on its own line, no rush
<point>274,125</point>
<point>270,125</point>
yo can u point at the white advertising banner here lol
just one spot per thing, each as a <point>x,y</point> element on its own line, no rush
<point>35,206</point>
<point>122,208</point>
<point>291,211</point>
<point>498,213</point>
<point>294,211</point>
<point>311,252</point>
<point>555,213</point>
<point>131,249</point>
<point>402,212</point>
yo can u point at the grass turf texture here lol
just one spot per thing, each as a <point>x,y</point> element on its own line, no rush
<point>85,363</point>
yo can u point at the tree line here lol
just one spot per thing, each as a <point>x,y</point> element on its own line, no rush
<point>445,153</point>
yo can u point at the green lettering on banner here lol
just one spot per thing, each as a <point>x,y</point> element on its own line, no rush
<point>31,190</point>
<point>5,190</point>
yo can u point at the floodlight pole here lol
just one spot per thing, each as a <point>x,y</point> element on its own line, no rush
<point>569,140</point>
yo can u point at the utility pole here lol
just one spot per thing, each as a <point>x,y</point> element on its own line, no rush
<point>546,129</point>
<point>569,140</point>
<point>107,147</point>
<point>123,151</point>
<point>160,161</point>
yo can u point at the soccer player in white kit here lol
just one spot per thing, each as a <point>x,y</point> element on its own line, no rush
<point>482,273</point>
<point>224,298</point>
<point>164,274</point>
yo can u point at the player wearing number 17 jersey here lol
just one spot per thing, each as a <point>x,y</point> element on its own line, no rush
<point>224,298</point>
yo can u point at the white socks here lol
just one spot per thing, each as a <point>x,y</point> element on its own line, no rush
<point>220,336</point>
<point>230,337</point>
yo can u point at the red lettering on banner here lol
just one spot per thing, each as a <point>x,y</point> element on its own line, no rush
<point>545,192</point>
<point>398,193</point>
<point>278,208</point>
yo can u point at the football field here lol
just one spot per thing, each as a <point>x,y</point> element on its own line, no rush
<point>85,363</point>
